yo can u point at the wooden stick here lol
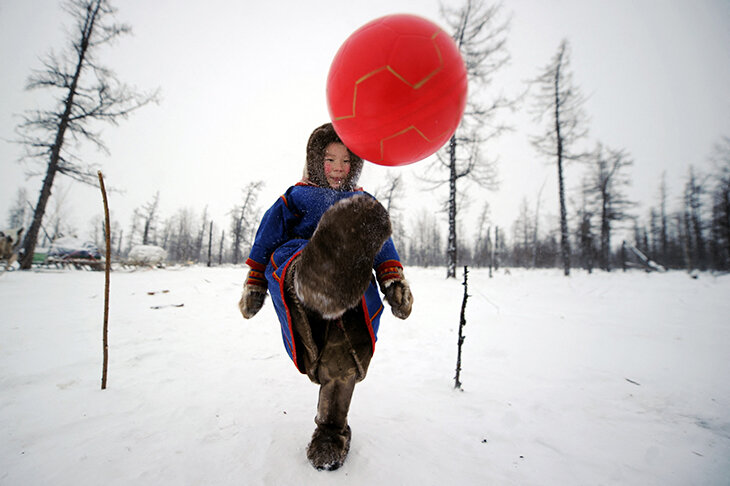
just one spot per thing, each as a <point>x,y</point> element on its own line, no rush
<point>107,268</point>
<point>462,323</point>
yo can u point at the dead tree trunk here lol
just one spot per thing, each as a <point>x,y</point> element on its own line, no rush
<point>462,323</point>
<point>210,241</point>
<point>40,209</point>
<point>564,235</point>
<point>490,251</point>
<point>44,132</point>
<point>451,245</point>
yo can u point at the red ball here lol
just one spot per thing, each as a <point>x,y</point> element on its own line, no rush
<point>396,90</point>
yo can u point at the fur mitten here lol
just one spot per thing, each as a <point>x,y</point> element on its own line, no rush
<point>254,293</point>
<point>396,289</point>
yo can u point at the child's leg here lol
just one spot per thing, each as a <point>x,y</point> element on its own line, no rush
<point>324,287</point>
<point>344,360</point>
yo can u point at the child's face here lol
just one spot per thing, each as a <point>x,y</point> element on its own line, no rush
<point>336,164</point>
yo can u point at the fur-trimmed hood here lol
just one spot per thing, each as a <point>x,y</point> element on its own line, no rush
<point>314,168</point>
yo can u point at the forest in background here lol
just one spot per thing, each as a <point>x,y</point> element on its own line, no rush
<point>598,226</point>
<point>689,231</point>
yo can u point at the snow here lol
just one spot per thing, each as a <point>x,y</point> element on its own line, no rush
<point>147,255</point>
<point>617,378</point>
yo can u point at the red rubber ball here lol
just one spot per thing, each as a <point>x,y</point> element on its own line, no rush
<point>396,90</point>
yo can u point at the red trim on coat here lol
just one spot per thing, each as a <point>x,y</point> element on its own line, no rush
<point>273,263</point>
<point>369,321</point>
<point>286,203</point>
<point>286,307</point>
<point>256,265</point>
<point>378,311</point>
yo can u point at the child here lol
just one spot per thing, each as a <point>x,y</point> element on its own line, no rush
<point>315,251</point>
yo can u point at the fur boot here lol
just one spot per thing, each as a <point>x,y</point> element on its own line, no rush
<point>335,267</point>
<point>344,361</point>
<point>331,439</point>
<point>329,447</point>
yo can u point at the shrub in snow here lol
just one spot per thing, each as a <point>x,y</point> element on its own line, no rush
<point>147,255</point>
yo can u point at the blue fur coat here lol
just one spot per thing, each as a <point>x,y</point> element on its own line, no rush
<point>284,231</point>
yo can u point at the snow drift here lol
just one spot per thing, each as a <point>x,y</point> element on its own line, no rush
<point>150,255</point>
<point>603,379</point>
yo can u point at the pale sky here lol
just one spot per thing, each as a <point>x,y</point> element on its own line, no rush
<point>243,85</point>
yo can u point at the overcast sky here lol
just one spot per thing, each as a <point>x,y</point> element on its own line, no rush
<point>243,85</point>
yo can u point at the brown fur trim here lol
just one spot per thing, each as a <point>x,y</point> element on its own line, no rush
<point>320,138</point>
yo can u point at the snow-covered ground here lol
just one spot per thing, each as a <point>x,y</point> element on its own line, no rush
<point>589,380</point>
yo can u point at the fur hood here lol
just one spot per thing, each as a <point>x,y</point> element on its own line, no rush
<point>314,169</point>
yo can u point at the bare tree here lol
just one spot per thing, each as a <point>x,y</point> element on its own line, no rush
<point>19,214</point>
<point>490,251</point>
<point>134,229</point>
<point>694,190</point>
<point>462,323</point>
<point>119,240</point>
<point>56,224</point>
<point>663,217</point>
<point>425,247</point>
<point>390,194</point>
<point>482,246</point>
<point>535,227</point>
<point>243,220</point>
<point>181,245</point>
<point>654,234</point>
<point>210,243</point>
<point>465,248</point>
<point>498,249</point>
<point>522,236</point>
<point>584,232</point>
<point>720,222</point>
<point>480,32</point>
<point>201,234</point>
<point>682,245</point>
<point>666,231</point>
<point>88,93</point>
<point>607,182</point>
<point>558,106</point>
<point>149,214</point>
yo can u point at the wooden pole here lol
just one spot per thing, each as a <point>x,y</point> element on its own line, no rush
<point>107,268</point>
